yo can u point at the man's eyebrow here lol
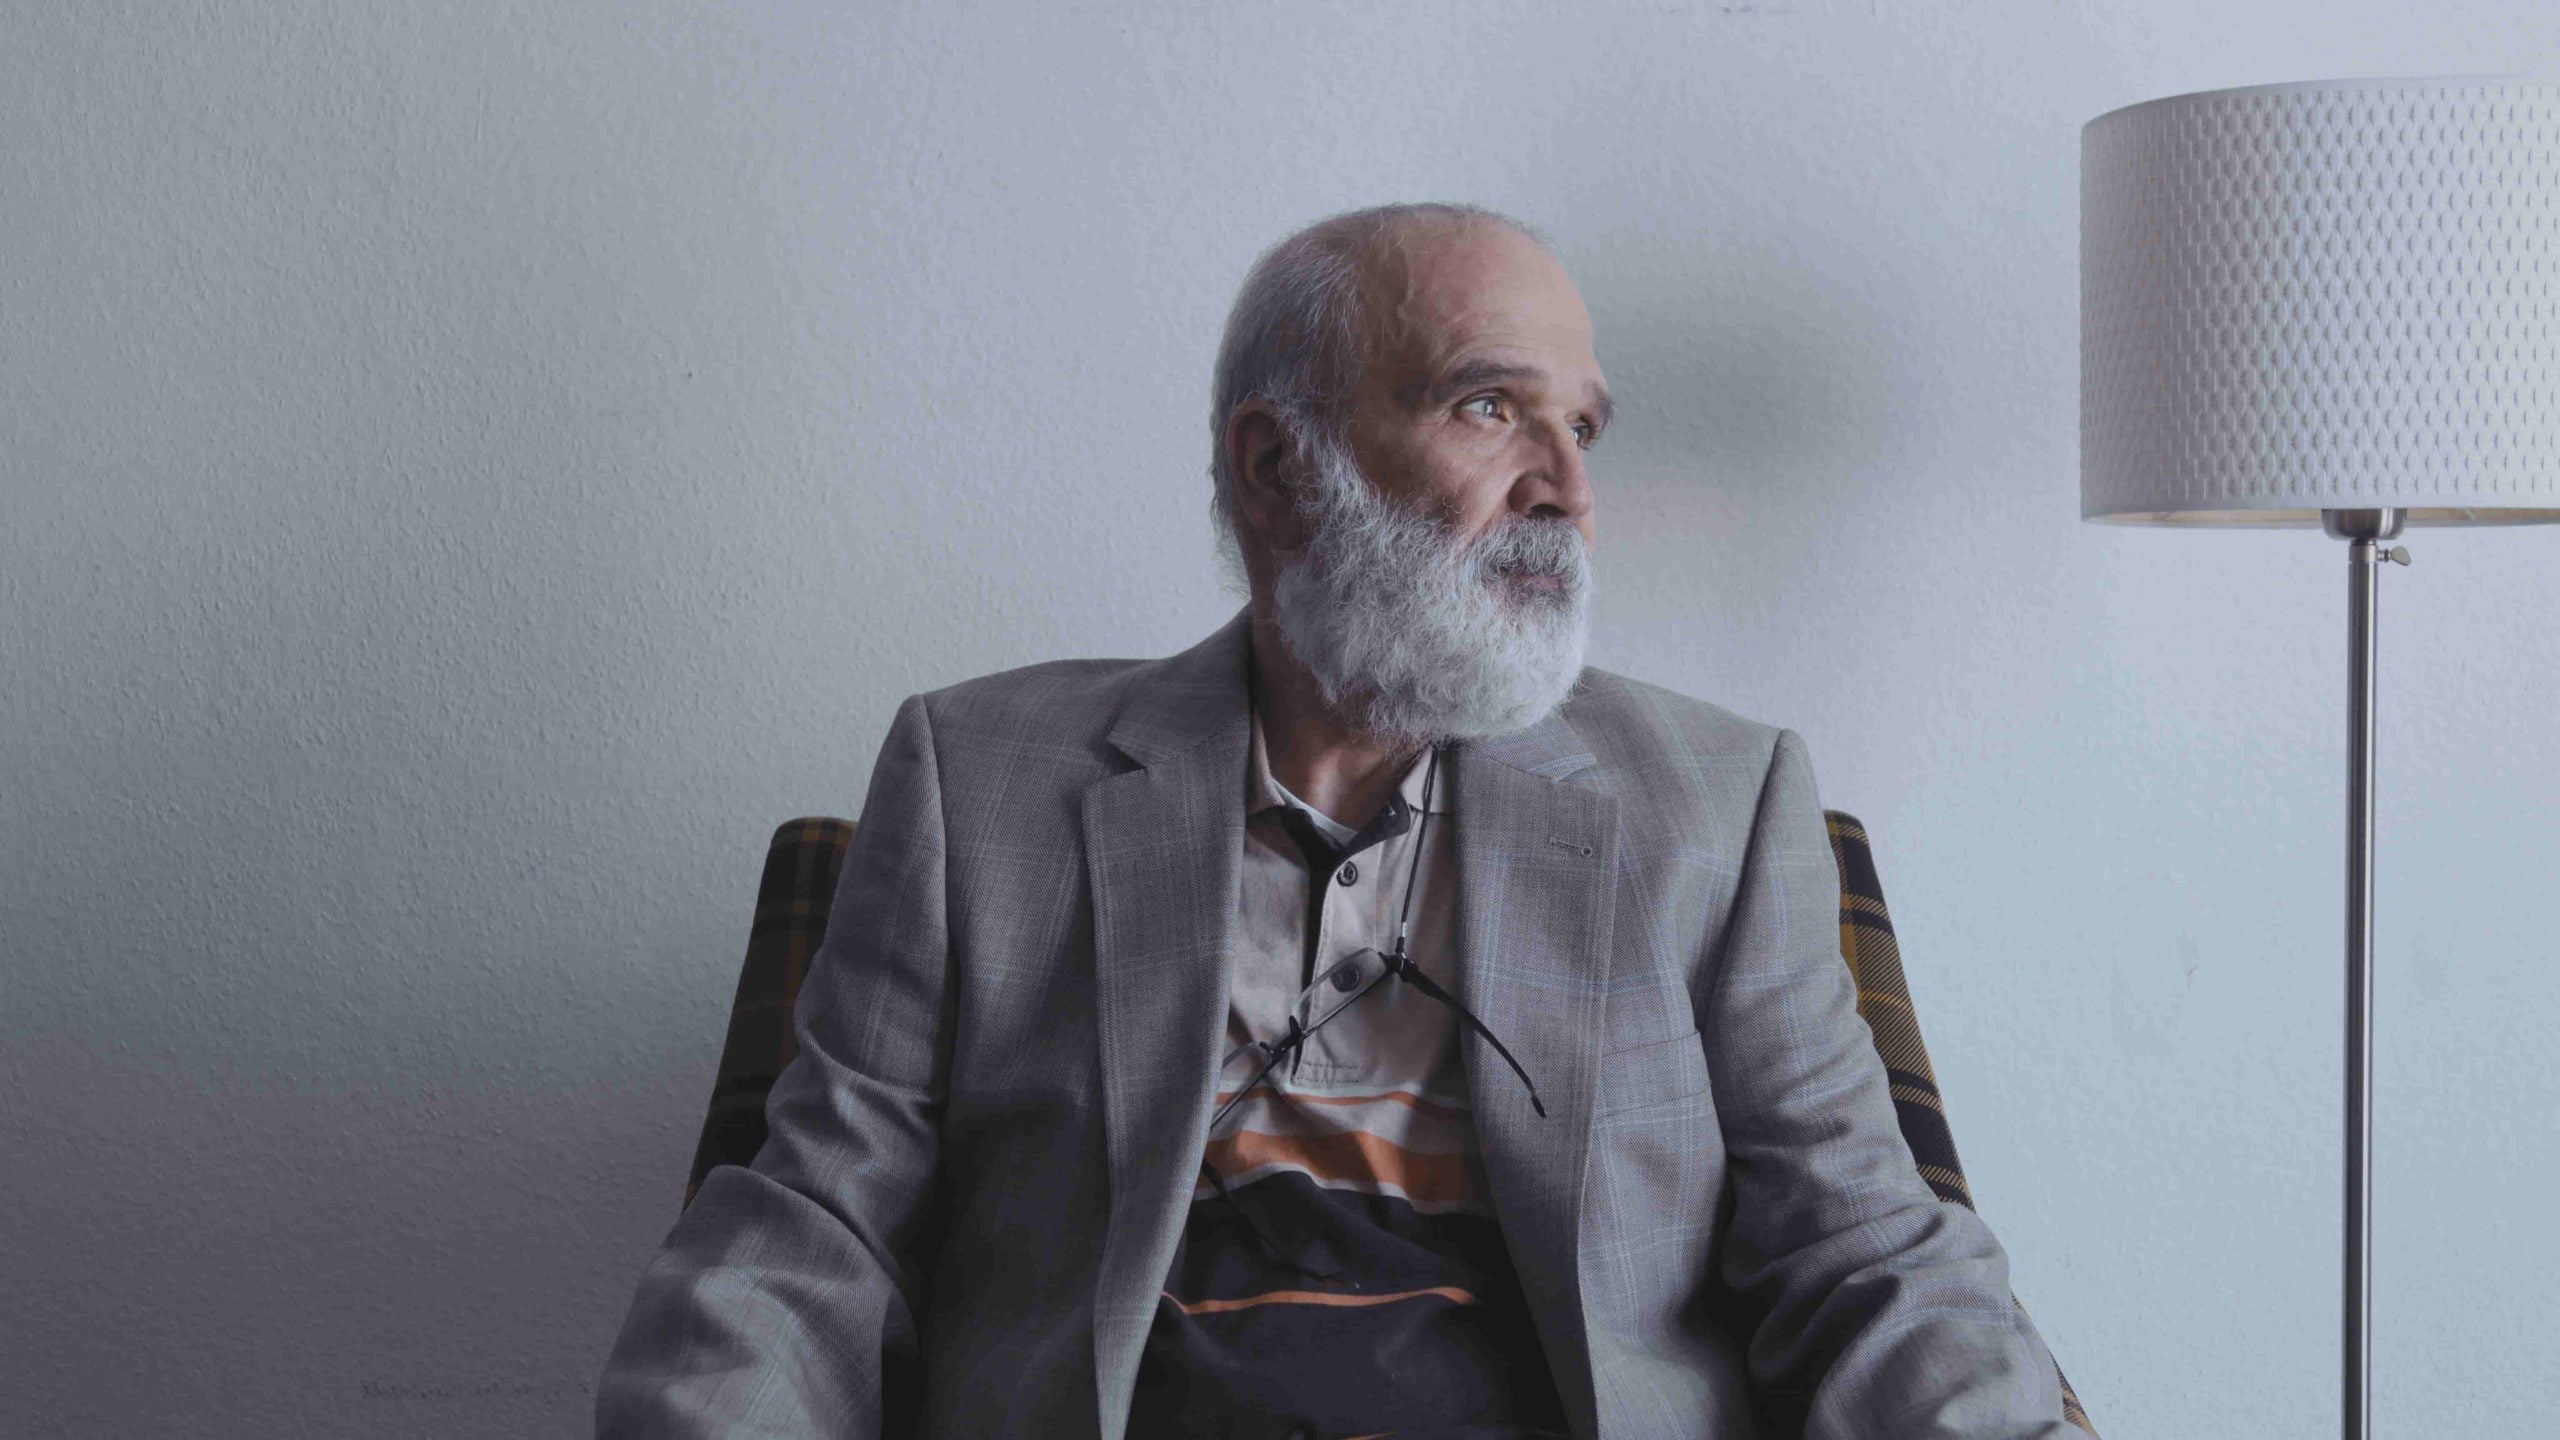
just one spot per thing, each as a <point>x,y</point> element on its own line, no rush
<point>1486,371</point>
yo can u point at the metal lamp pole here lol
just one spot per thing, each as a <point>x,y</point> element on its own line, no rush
<point>2364,530</point>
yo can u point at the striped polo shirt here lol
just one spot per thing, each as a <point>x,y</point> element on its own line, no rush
<point>1351,1279</point>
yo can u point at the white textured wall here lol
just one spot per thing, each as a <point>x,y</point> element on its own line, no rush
<point>468,471</point>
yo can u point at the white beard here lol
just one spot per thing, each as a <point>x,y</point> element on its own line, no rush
<point>1416,640</point>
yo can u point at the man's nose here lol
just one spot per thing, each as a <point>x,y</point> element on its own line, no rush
<point>1557,482</point>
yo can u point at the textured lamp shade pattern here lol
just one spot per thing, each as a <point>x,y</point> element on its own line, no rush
<point>2338,294</point>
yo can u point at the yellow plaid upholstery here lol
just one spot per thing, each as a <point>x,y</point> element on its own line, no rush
<point>1884,999</point>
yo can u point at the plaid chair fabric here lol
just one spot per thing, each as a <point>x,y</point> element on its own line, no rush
<point>799,886</point>
<point>792,902</point>
<point>1884,1001</point>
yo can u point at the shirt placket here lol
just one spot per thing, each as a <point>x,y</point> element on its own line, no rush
<point>1345,925</point>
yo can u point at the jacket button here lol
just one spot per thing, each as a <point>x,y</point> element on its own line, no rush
<point>1349,874</point>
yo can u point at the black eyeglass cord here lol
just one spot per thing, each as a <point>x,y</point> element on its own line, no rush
<point>1401,964</point>
<point>1398,963</point>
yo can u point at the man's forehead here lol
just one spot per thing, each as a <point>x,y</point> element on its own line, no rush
<point>1432,293</point>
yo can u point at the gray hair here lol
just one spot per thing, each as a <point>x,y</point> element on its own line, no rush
<point>1293,340</point>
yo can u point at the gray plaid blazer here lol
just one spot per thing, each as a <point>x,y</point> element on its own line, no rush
<point>981,1158</point>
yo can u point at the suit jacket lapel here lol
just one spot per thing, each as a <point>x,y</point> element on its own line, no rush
<point>1161,845</point>
<point>1536,859</point>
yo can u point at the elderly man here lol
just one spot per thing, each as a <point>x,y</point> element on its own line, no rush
<point>1368,1021</point>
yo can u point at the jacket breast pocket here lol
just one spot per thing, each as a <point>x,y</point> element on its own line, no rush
<point>1655,1074</point>
<point>1657,1163</point>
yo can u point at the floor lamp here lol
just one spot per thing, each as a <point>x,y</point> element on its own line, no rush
<point>2332,303</point>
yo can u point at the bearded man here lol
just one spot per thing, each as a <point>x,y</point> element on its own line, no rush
<point>1369,1020</point>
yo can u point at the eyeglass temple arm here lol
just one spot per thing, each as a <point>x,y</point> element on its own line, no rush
<point>1403,968</point>
<point>1272,1051</point>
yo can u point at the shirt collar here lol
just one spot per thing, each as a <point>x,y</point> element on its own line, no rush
<point>1262,792</point>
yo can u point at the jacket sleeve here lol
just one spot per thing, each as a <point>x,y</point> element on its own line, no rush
<point>1882,1310</point>
<point>788,1289</point>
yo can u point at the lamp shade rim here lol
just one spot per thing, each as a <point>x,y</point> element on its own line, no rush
<point>2344,82</point>
<point>2294,515</point>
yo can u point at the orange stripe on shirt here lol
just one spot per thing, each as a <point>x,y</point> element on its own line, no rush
<point>1450,1293</point>
<point>1347,1155</point>
<point>1407,1098</point>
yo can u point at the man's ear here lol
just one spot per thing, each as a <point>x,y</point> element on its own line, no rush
<point>1268,472</point>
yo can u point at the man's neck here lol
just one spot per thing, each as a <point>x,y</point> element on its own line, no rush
<point>1345,773</point>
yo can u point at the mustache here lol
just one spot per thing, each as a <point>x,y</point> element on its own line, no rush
<point>1550,549</point>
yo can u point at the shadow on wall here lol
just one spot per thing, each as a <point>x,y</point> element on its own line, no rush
<point>1754,401</point>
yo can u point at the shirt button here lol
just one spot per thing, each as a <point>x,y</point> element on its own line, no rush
<point>1349,874</point>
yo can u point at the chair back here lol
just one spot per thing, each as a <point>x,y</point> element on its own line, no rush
<point>792,901</point>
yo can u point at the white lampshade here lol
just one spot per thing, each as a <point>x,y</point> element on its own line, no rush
<point>2336,294</point>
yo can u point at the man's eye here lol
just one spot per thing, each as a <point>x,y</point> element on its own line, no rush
<point>1492,400</point>
<point>1587,433</point>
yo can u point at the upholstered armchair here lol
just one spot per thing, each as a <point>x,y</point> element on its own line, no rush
<point>799,885</point>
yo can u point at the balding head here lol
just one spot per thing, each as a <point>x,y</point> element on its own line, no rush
<point>1313,312</point>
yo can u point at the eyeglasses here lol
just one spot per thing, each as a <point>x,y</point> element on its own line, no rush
<point>1341,986</point>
